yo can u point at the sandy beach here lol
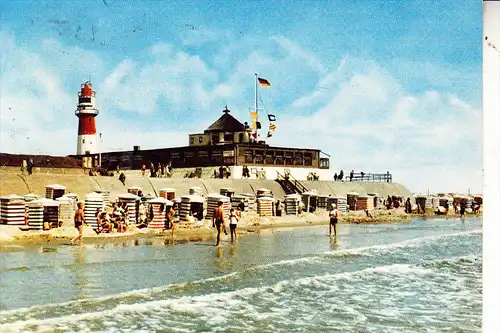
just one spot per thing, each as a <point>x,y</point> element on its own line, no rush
<point>249,224</point>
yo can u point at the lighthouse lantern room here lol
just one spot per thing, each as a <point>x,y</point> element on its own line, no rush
<point>86,113</point>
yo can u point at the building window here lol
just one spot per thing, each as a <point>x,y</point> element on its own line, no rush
<point>241,137</point>
<point>307,159</point>
<point>217,157</point>
<point>84,99</point>
<point>269,158</point>
<point>259,158</point>
<point>228,137</point>
<point>191,140</point>
<point>83,141</point>
<point>248,156</point>
<point>200,139</point>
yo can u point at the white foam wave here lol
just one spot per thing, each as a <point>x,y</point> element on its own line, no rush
<point>210,306</point>
<point>144,294</point>
<point>409,243</point>
<point>367,250</point>
<point>148,293</point>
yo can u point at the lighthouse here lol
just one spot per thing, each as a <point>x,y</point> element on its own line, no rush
<point>86,113</point>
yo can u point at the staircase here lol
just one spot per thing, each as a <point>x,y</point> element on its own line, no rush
<point>290,185</point>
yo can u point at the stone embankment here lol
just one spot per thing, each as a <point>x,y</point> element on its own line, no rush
<point>77,181</point>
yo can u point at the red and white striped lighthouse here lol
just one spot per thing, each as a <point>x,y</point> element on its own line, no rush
<point>86,113</point>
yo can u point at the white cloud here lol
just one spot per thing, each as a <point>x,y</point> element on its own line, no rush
<point>358,112</point>
<point>172,79</point>
<point>370,123</point>
<point>299,54</point>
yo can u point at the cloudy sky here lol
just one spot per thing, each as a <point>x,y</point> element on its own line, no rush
<point>379,85</point>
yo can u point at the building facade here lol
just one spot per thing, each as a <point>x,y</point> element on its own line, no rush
<point>227,142</point>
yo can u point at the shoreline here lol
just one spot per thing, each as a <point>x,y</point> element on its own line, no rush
<point>12,236</point>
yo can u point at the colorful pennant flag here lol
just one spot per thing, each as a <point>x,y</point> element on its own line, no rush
<point>254,115</point>
<point>272,127</point>
<point>254,124</point>
<point>269,134</point>
<point>258,125</point>
<point>263,82</point>
<point>271,117</point>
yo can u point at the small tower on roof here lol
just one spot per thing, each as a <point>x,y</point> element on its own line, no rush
<point>225,130</point>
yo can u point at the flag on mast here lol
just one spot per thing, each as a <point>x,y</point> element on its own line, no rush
<point>271,117</point>
<point>263,82</point>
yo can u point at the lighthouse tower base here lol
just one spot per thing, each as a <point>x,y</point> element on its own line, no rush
<point>87,144</point>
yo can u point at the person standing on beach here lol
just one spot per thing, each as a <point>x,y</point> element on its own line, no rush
<point>79,222</point>
<point>334,219</point>
<point>218,221</point>
<point>24,166</point>
<point>233,222</point>
<point>279,208</point>
<point>122,178</point>
<point>30,166</point>
<point>171,218</point>
<point>241,207</point>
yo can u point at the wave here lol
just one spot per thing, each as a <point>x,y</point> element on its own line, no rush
<point>147,293</point>
<point>194,304</point>
<point>255,303</point>
<point>367,251</point>
<point>414,242</point>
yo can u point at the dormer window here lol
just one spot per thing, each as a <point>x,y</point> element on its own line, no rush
<point>228,137</point>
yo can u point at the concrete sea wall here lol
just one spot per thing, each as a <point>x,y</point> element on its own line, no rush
<point>13,182</point>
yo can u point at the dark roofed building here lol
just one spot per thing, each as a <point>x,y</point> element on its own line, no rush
<point>225,142</point>
<point>225,130</point>
<point>226,123</point>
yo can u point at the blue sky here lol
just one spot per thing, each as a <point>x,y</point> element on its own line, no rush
<point>379,85</point>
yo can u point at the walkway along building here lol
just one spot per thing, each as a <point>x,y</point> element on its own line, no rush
<point>229,143</point>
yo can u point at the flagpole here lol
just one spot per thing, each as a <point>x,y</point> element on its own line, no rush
<point>256,110</point>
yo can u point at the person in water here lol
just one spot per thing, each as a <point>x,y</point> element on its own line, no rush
<point>79,222</point>
<point>334,219</point>
<point>218,221</point>
<point>233,223</point>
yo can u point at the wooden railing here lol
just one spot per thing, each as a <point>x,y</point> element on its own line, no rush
<point>287,180</point>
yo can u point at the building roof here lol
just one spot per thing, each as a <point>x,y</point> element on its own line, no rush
<point>226,123</point>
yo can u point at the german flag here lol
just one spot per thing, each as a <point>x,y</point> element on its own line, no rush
<point>263,82</point>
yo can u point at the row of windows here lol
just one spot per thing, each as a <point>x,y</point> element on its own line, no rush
<point>278,160</point>
<point>200,140</point>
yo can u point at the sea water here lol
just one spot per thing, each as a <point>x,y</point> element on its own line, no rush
<point>421,276</point>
